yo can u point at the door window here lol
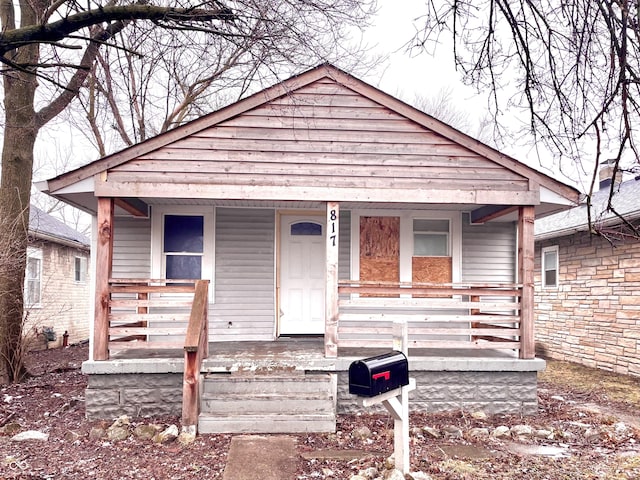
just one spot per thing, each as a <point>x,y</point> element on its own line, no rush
<point>306,228</point>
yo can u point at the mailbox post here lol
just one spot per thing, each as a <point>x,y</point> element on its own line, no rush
<point>385,379</point>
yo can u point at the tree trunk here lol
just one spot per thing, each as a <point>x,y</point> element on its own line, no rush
<point>17,163</point>
<point>15,188</point>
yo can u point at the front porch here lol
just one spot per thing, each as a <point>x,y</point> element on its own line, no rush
<point>470,344</point>
<point>148,382</point>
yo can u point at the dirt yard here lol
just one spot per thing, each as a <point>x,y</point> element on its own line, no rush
<point>588,428</point>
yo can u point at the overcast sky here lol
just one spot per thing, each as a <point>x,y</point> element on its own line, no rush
<point>419,73</point>
<point>408,74</point>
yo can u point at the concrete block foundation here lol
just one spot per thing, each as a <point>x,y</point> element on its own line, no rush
<point>144,389</point>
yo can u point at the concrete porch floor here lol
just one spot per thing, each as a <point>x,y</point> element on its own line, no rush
<point>304,354</point>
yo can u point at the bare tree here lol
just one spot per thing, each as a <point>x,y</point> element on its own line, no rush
<point>14,231</point>
<point>573,67</point>
<point>149,85</point>
<point>442,107</point>
<point>48,49</point>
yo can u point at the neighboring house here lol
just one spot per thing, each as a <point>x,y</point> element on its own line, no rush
<point>57,286</point>
<point>588,286</point>
<point>320,210</point>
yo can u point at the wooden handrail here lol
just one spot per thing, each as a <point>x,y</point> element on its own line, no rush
<point>196,347</point>
<point>493,317</point>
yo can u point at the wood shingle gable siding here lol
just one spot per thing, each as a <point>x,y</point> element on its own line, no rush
<point>322,118</point>
<point>304,140</point>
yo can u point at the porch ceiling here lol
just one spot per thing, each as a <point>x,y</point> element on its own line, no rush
<point>307,205</point>
<point>87,202</point>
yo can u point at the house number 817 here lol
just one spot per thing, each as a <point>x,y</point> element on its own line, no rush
<point>333,216</point>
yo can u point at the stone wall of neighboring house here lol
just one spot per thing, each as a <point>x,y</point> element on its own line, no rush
<point>593,316</point>
<point>64,302</point>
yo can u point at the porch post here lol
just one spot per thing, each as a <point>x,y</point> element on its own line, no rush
<point>331,287</point>
<point>526,217</point>
<point>104,257</point>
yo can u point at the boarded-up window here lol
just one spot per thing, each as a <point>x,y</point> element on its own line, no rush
<point>380,249</point>
<point>431,261</point>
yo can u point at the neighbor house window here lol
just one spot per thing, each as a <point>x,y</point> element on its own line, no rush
<point>33,278</point>
<point>80,268</point>
<point>550,267</point>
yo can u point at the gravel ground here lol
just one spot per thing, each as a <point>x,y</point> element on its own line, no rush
<point>588,436</point>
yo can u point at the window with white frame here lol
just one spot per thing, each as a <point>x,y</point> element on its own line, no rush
<point>550,264</point>
<point>183,243</point>
<point>430,238</point>
<point>430,243</point>
<point>183,246</point>
<point>33,278</point>
<point>80,269</point>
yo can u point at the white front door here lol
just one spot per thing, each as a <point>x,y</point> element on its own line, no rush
<point>302,274</point>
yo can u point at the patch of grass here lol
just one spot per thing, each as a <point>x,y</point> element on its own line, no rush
<point>581,379</point>
<point>459,467</point>
<point>626,469</point>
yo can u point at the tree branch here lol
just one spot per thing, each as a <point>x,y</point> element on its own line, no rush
<point>57,105</point>
<point>58,30</point>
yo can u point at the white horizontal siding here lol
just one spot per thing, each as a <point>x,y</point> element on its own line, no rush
<point>131,248</point>
<point>344,246</point>
<point>488,252</point>
<point>244,306</point>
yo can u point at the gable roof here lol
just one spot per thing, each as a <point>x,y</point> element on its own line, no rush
<point>625,201</point>
<point>45,227</point>
<point>325,71</point>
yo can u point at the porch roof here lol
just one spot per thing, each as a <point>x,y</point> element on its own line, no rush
<point>320,136</point>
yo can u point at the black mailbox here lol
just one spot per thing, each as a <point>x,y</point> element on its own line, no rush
<point>375,375</point>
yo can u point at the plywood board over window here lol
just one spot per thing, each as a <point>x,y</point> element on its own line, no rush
<point>431,270</point>
<point>380,249</point>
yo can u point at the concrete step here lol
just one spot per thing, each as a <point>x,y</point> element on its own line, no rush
<point>283,403</point>
<point>265,384</point>
<point>267,403</point>
<point>267,423</point>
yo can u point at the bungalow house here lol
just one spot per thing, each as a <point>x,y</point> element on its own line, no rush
<point>56,288</point>
<point>588,286</point>
<point>319,215</point>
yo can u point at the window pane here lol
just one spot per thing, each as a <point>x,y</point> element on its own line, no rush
<point>184,266</point>
<point>78,269</point>
<point>431,225</point>
<point>183,233</point>
<point>550,260</point>
<point>33,281</point>
<point>430,245</point>
<point>550,278</point>
<point>306,228</point>
<point>33,268</point>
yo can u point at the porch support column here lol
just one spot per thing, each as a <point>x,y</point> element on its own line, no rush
<point>331,287</point>
<point>526,217</point>
<point>104,257</point>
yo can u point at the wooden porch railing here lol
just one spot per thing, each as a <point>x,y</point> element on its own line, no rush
<point>464,316</point>
<point>196,347</point>
<point>148,313</point>
<point>174,311</point>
